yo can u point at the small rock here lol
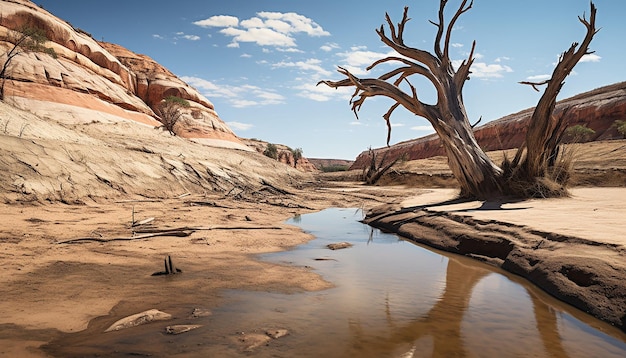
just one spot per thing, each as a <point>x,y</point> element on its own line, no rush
<point>181,328</point>
<point>200,312</point>
<point>139,319</point>
<point>339,245</point>
<point>277,333</point>
<point>254,340</point>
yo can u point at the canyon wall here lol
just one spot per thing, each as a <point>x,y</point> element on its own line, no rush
<point>89,80</point>
<point>597,109</point>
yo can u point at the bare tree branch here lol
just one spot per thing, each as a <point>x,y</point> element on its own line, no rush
<point>534,84</point>
<point>462,9</point>
<point>543,126</point>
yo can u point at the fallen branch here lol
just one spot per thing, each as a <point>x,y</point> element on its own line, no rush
<point>207,203</point>
<point>177,233</point>
<point>143,222</point>
<point>138,201</point>
<point>206,228</point>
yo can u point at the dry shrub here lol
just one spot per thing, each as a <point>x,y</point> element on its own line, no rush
<point>553,184</point>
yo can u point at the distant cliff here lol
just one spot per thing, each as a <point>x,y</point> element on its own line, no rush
<point>97,80</point>
<point>597,109</point>
<point>284,154</point>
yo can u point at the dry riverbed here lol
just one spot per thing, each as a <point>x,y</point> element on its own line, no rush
<point>81,268</point>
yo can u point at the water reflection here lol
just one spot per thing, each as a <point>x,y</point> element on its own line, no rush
<point>392,299</point>
<point>471,311</point>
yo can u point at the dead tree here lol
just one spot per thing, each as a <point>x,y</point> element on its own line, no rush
<point>545,131</point>
<point>477,174</point>
<point>377,168</point>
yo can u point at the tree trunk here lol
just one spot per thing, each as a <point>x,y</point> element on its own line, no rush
<point>476,173</point>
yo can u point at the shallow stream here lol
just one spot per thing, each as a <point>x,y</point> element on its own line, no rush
<point>391,298</point>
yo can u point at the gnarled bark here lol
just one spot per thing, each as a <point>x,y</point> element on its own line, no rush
<point>545,130</point>
<point>474,170</point>
<point>476,173</point>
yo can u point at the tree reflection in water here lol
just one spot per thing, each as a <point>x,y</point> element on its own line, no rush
<point>439,332</point>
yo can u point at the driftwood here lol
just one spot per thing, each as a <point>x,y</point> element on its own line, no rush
<point>181,328</point>
<point>206,228</point>
<point>139,319</point>
<point>207,203</point>
<point>177,232</point>
<point>143,222</point>
<point>136,237</point>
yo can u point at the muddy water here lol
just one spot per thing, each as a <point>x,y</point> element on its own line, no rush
<point>391,299</point>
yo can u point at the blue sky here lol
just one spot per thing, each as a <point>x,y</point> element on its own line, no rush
<point>258,60</point>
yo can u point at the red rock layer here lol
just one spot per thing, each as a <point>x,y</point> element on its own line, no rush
<point>597,109</point>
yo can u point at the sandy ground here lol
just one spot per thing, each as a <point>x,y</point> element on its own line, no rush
<point>47,286</point>
<point>573,248</point>
<point>590,213</point>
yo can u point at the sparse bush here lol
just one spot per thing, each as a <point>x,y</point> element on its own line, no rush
<point>334,168</point>
<point>297,155</point>
<point>578,134</point>
<point>25,39</point>
<point>621,127</point>
<point>170,110</point>
<point>271,151</point>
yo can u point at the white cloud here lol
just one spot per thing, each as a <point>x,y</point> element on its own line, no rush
<point>191,37</point>
<point>591,57</point>
<point>157,36</point>
<point>269,97</point>
<point>218,21</point>
<point>291,23</point>
<point>237,96</point>
<point>311,64</point>
<point>357,59</point>
<point>322,93</point>
<point>538,78</point>
<point>239,126</point>
<point>329,47</point>
<point>393,125</point>
<point>289,49</point>
<point>457,45</point>
<point>265,29</point>
<point>245,55</point>
<point>484,70</point>
<point>241,103</point>
<point>210,89</point>
<point>356,123</point>
<point>260,36</point>
<point>426,128</point>
<point>502,58</point>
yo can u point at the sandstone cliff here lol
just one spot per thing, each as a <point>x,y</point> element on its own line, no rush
<point>597,109</point>
<point>96,81</point>
<point>284,154</point>
<point>81,126</point>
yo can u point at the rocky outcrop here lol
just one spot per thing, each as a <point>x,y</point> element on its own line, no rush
<point>284,155</point>
<point>597,109</point>
<point>329,164</point>
<point>88,75</point>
